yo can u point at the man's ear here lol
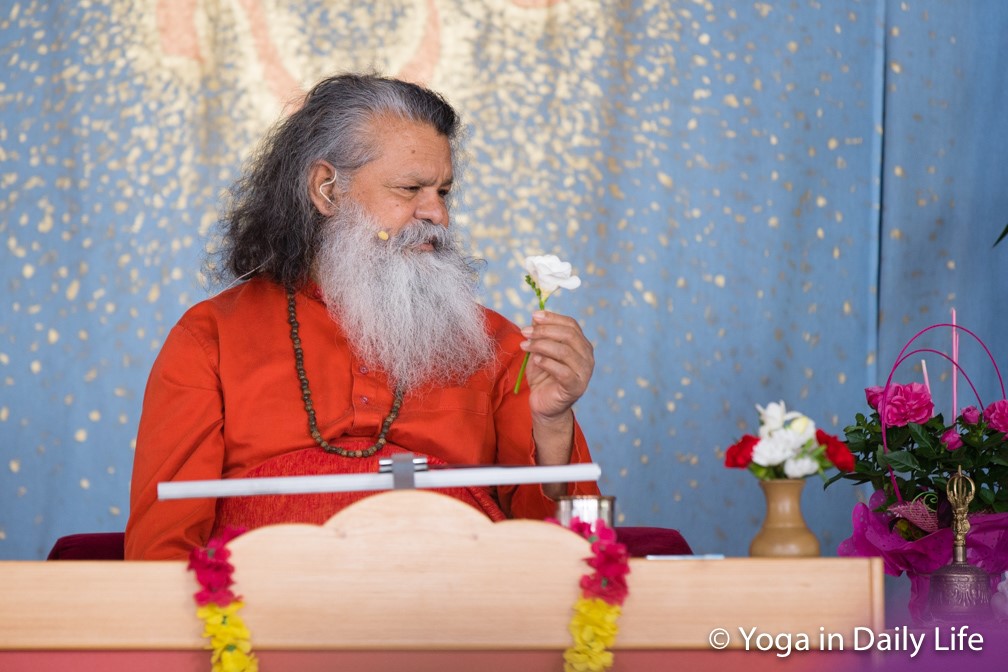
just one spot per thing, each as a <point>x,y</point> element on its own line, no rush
<point>322,188</point>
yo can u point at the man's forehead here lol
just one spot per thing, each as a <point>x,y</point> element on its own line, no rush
<point>422,152</point>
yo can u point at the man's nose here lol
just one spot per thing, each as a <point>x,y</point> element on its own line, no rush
<point>431,207</point>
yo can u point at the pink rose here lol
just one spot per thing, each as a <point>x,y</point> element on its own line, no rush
<point>951,439</point>
<point>971,415</point>
<point>873,395</point>
<point>908,403</point>
<point>997,415</point>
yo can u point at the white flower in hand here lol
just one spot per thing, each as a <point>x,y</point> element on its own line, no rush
<point>545,275</point>
<point>548,273</point>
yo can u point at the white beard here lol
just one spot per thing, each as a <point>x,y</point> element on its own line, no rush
<point>413,314</point>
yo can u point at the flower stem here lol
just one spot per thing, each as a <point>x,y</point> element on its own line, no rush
<point>521,372</point>
<point>542,306</point>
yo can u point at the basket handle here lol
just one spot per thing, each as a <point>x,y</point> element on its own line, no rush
<point>903,356</point>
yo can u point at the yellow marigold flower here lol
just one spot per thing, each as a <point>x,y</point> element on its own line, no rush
<point>586,660</point>
<point>594,629</point>
<point>223,623</point>
<point>236,660</point>
<point>595,621</point>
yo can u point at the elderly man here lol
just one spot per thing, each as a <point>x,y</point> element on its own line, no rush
<point>355,333</point>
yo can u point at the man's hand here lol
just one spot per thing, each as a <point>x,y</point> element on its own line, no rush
<point>559,368</point>
<point>560,364</point>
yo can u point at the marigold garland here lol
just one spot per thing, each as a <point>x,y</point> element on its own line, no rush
<point>593,625</point>
<point>217,607</point>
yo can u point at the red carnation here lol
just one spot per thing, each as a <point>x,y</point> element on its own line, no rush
<point>739,456</point>
<point>837,451</point>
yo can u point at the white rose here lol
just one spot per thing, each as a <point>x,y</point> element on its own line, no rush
<point>773,417</point>
<point>791,440</point>
<point>774,450</point>
<point>800,467</point>
<point>549,274</point>
<point>802,428</point>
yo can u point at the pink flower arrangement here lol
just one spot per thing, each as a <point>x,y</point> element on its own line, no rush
<point>907,452</point>
<point>911,466</point>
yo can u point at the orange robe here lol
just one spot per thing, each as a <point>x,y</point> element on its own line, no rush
<point>223,399</point>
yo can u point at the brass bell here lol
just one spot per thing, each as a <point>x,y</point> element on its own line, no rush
<point>960,591</point>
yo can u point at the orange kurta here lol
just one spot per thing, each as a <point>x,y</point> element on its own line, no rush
<point>223,398</point>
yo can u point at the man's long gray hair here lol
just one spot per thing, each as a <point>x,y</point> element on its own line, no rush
<point>270,227</point>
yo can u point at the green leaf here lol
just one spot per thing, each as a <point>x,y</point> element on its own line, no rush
<point>923,437</point>
<point>1001,237</point>
<point>986,495</point>
<point>901,460</point>
<point>833,479</point>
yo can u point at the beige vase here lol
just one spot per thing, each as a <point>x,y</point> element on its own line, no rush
<point>784,533</point>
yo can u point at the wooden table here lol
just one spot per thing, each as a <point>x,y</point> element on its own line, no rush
<point>414,580</point>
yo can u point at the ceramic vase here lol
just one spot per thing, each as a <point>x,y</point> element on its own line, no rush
<point>784,533</point>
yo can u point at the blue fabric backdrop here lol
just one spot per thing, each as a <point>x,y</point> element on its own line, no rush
<point>765,201</point>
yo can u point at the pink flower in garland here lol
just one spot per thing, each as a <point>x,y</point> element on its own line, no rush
<point>996,415</point>
<point>581,528</point>
<point>603,534</point>
<point>904,404</point>
<point>609,559</point>
<point>594,586</point>
<point>216,582</point>
<point>213,571</point>
<point>609,582</point>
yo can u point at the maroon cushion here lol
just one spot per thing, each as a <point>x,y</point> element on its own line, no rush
<point>641,541</point>
<point>93,546</point>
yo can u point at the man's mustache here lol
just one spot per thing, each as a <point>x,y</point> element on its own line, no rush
<point>422,232</point>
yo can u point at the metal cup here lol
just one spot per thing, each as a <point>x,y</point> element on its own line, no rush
<point>588,508</point>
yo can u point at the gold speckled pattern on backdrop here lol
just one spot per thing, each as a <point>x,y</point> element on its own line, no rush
<point>745,188</point>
